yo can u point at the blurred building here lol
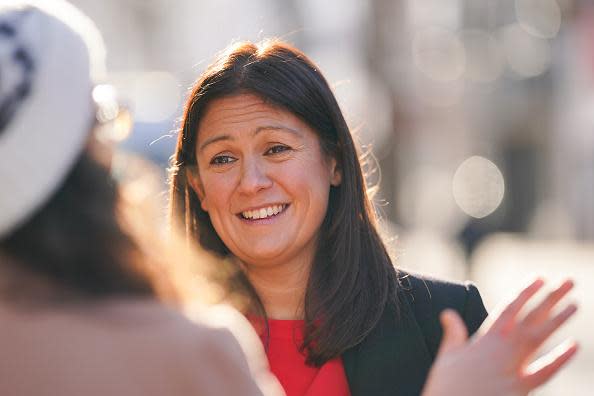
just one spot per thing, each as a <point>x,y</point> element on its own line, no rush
<point>426,84</point>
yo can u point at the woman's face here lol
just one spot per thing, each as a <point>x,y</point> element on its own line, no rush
<point>263,179</point>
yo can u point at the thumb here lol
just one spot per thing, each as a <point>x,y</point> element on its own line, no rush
<point>455,333</point>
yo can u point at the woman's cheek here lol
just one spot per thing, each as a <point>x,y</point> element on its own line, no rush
<point>218,186</point>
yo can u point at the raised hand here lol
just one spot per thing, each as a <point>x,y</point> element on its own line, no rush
<point>497,361</point>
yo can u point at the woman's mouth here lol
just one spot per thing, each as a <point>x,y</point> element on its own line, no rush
<point>264,212</point>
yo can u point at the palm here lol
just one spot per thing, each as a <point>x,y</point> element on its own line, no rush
<point>498,359</point>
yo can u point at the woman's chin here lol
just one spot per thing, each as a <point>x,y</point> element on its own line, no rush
<point>263,256</point>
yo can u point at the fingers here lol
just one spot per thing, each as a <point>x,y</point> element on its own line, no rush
<point>547,366</point>
<point>545,330</point>
<point>455,333</point>
<point>510,312</point>
<point>542,311</point>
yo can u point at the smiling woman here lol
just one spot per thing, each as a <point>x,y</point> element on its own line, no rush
<point>266,173</point>
<point>264,181</point>
<point>262,128</point>
<point>263,131</point>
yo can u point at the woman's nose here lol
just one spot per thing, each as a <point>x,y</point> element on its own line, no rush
<point>253,177</point>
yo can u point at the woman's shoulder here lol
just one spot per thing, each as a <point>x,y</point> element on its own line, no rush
<point>428,297</point>
<point>439,293</point>
<point>215,345</point>
<point>161,350</point>
<point>399,351</point>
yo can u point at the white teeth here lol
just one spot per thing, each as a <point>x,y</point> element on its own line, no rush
<point>263,213</point>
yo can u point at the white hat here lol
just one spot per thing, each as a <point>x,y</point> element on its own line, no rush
<point>50,59</point>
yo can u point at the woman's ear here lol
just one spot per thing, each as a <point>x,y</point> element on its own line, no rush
<point>336,173</point>
<point>193,180</point>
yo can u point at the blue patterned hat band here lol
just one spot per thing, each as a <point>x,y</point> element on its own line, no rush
<point>16,57</point>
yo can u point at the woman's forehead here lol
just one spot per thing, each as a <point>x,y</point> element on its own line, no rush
<point>245,112</point>
<point>237,108</point>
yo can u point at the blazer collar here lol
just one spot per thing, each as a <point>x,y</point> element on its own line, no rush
<point>393,359</point>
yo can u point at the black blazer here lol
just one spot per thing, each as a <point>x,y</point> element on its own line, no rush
<point>394,359</point>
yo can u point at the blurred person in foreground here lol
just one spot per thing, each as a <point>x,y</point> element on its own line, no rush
<point>88,296</point>
<point>267,175</point>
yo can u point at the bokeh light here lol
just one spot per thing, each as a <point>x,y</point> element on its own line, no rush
<point>527,56</point>
<point>105,97</point>
<point>541,18</point>
<point>484,58</point>
<point>478,187</point>
<point>439,54</point>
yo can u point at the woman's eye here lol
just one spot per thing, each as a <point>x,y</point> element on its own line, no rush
<point>279,148</point>
<point>222,160</point>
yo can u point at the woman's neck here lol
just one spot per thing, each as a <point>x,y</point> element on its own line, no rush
<point>281,288</point>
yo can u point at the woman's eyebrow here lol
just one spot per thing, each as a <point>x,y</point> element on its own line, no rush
<point>214,139</point>
<point>276,128</point>
<point>219,138</point>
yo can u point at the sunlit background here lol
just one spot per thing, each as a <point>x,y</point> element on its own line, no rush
<point>480,115</point>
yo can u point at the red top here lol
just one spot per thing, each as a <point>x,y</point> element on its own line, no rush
<point>288,364</point>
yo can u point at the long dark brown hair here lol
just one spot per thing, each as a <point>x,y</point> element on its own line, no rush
<point>80,245</point>
<point>352,277</point>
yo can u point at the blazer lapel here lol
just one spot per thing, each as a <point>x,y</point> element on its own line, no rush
<point>392,360</point>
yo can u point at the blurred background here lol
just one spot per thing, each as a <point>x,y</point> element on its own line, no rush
<point>480,115</point>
